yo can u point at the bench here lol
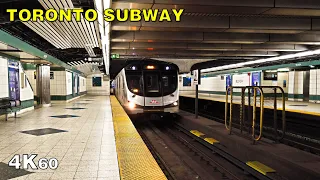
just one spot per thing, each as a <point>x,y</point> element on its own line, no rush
<point>8,105</point>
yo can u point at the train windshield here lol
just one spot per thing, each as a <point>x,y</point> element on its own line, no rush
<point>134,83</point>
<point>152,87</point>
<point>169,81</point>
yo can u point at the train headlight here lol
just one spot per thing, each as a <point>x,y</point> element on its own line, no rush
<point>135,90</point>
<point>175,103</point>
<point>132,105</point>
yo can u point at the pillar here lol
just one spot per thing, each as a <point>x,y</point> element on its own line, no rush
<point>43,85</point>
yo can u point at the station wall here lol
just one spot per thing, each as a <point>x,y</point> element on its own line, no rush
<point>58,84</point>
<point>61,85</point>
<point>98,89</point>
<point>216,85</point>
<point>315,85</point>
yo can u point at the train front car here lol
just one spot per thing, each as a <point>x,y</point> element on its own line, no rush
<point>151,87</point>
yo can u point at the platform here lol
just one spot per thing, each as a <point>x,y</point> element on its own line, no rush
<point>135,159</point>
<point>291,106</point>
<point>89,139</point>
<point>265,156</point>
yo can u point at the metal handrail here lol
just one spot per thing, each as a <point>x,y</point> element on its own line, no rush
<point>226,109</point>
<point>242,113</point>
<point>254,112</point>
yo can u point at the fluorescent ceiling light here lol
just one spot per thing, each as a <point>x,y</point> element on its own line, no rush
<point>288,57</point>
<point>283,69</point>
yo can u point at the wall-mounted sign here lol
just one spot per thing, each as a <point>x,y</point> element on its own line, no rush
<point>51,75</point>
<point>270,76</point>
<point>196,77</point>
<point>115,56</point>
<point>186,81</point>
<point>241,80</point>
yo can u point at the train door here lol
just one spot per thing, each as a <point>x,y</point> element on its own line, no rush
<point>152,88</point>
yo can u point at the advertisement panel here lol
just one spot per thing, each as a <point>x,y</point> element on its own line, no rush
<point>256,78</point>
<point>13,76</point>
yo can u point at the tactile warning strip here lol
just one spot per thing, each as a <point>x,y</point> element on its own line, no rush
<point>258,166</point>
<point>134,158</point>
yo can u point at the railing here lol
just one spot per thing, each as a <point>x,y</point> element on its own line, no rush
<point>258,92</point>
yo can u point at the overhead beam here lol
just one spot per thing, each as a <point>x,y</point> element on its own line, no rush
<point>208,46</point>
<point>174,52</point>
<point>225,24</point>
<point>249,7</point>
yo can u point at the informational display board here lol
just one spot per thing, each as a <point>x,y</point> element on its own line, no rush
<point>186,81</point>
<point>14,88</point>
<point>96,81</point>
<point>270,76</point>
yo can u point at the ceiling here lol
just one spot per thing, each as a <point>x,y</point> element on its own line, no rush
<point>210,34</point>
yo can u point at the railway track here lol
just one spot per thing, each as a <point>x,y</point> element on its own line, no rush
<point>184,156</point>
<point>303,141</point>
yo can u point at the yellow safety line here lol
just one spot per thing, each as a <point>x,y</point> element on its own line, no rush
<point>262,168</point>
<point>134,158</point>
<point>208,139</point>
<point>211,140</point>
<point>197,133</point>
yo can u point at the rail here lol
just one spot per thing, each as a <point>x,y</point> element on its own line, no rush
<point>258,91</point>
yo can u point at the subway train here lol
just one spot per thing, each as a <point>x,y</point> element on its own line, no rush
<point>148,86</point>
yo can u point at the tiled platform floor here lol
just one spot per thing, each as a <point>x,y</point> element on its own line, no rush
<point>85,151</point>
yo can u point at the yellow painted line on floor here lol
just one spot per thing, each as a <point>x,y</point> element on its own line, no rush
<point>258,166</point>
<point>197,133</point>
<point>134,158</point>
<point>211,140</point>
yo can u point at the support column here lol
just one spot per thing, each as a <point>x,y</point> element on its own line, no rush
<point>43,85</point>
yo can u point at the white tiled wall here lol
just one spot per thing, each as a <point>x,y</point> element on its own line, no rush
<point>314,87</point>
<point>4,90</point>
<point>299,82</point>
<point>103,90</point>
<point>295,83</point>
<point>68,81</point>
<point>206,84</point>
<point>213,84</point>
<point>58,84</point>
<point>281,77</point>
